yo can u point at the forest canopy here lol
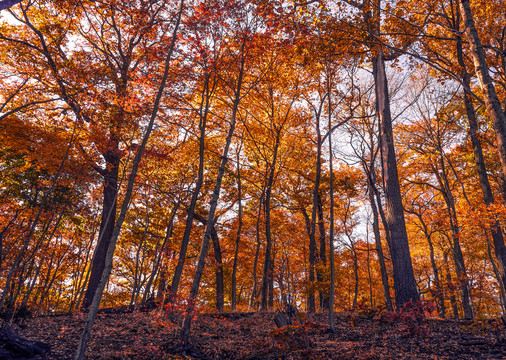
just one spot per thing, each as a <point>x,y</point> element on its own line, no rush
<point>244,155</point>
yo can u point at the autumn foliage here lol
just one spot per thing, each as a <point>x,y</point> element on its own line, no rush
<point>271,112</point>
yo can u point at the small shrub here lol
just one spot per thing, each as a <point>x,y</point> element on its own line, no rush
<point>292,337</point>
<point>296,336</point>
<point>412,318</point>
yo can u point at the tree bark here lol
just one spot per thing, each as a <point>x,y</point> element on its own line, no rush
<point>238,236</point>
<point>458,257</point>
<point>108,219</point>
<point>379,247</point>
<point>311,304</point>
<point>220,296</point>
<point>496,271</point>
<point>492,102</point>
<point>404,279</point>
<point>203,113</point>
<point>322,278</point>
<point>136,288</point>
<point>453,300</point>
<point>314,213</point>
<point>331,225</point>
<point>253,298</point>
<point>267,272</point>
<point>488,198</point>
<point>218,262</point>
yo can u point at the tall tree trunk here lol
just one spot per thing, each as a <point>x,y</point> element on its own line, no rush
<point>220,296</point>
<point>355,274</point>
<point>203,113</point>
<point>404,279</point>
<point>108,219</point>
<point>270,301</point>
<point>313,250</point>
<point>492,102</point>
<point>311,305</point>
<point>497,274</point>
<point>331,225</point>
<point>369,274</point>
<point>322,278</point>
<point>437,281</point>
<point>238,236</point>
<point>267,274</point>
<point>379,247</point>
<point>453,300</point>
<point>253,299</point>
<point>218,262</point>
<point>488,198</point>
<point>458,257</point>
<point>136,288</point>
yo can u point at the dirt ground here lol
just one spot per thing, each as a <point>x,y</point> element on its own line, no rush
<point>255,336</point>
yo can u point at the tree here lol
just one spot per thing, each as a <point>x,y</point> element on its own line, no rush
<point>97,296</point>
<point>374,40</point>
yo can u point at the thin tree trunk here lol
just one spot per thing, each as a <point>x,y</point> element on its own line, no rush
<point>8,289</point>
<point>458,257</point>
<point>369,274</point>
<point>203,114</point>
<point>82,276</point>
<point>218,262</point>
<point>220,296</point>
<point>488,198</point>
<point>453,300</point>
<point>253,298</point>
<point>28,294</point>
<point>2,233</point>
<point>271,281</point>
<point>160,253</point>
<point>267,274</point>
<point>322,278</point>
<point>331,225</point>
<point>355,273</point>
<point>185,328</point>
<point>238,236</point>
<point>435,269</point>
<point>136,288</point>
<point>314,257</point>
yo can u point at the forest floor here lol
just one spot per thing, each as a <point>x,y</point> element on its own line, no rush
<point>141,335</point>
